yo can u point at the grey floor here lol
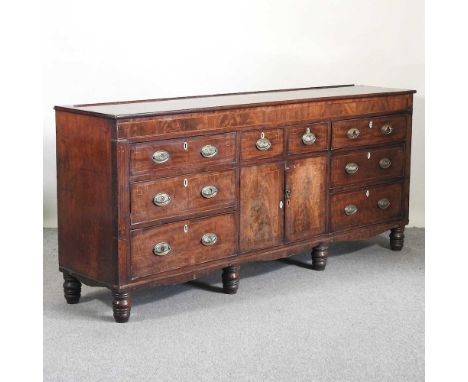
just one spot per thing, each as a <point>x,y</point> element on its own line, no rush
<point>360,320</point>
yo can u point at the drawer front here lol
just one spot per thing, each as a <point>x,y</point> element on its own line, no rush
<point>357,208</point>
<point>308,138</point>
<point>182,195</point>
<point>198,151</point>
<point>366,165</point>
<point>182,244</point>
<point>368,131</point>
<point>262,144</point>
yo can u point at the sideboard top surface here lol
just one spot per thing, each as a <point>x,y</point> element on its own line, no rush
<point>165,106</point>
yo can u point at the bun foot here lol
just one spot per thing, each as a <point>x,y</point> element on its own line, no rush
<point>397,238</point>
<point>121,305</point>
<point>231,277</point>
<point>71,289</point>
<point>319,257</point>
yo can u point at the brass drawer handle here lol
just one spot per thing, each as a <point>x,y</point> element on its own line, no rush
<point>209,151</point>
<point>161,199</point>
<point>263,144</point>
<point>386,129</point>
<point>162,248</point>
<point>308,138</point>
<point>351,168</point>
<point>209,239</point>
<point>353,133</point>
<point>385,163</point>
<point>209,192</point>
<point>160,156</point>
<point>383,203</point>
<point>350,209</point>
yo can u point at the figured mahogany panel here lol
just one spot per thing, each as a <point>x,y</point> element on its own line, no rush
<point>365,204</point>
<point>185,152</point>
<point>146,128</point>
<point>185,241</point>
<point>184,195</point>
<point>368,131</point>
<point>306,197</point>
<point>249,139</point>
<point>261,215</point>
<point>371,165</point>
<point>296,143</point>
<point>85,202</point>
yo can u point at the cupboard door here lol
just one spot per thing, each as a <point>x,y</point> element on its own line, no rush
<point>306,197</point>
<point>261,206</point>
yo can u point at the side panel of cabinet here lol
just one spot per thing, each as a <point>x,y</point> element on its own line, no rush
<point>306,193</point>
<point>261,215</point>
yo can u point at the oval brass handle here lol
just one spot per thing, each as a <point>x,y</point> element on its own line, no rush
<point>386,129</point>
<point>351,168</point>
<point>209,192</point>
<point>385,163</point>
<point>161,199</point>
<point>162,248</point>
<point>353,133</point>
<point>209,151</point>
<point>209,239</point>
<point>383,203</point>
<point>263,144</point>
<point>350,209</point>
<point>308,138</point>
<point>161,156</point>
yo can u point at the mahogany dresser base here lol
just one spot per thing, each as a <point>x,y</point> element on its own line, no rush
<point>160,192</point>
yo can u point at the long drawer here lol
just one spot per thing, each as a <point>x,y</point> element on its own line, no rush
<point>182,195</point>
<point>357,208</point>
<point>182,244</point>
<point>368,131</point>
<point>366,165</point>
<point>188,152</point>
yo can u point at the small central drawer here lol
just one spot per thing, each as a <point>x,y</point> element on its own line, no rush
<point>260,144</point>
<point>357,208</point>
<point>308,138</point>
<point>182,244</point>
<point>182,195</point>
<point>366,165</point>
<point>177,153</point>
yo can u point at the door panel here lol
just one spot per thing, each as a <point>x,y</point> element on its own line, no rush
<point>306,190</point>
<point>261,216</point>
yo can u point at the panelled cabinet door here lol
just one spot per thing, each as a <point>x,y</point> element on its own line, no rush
<point>306,182</point>
<point>261,206</point>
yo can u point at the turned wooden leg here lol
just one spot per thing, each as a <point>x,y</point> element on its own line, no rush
<point>121,305</point>
<point>231,277</point>
<point>71,289</point>
<point>397,238</point>
<point>319,257</point>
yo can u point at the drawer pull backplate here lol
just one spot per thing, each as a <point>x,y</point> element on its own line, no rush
<point>385,163</point>
<point>351,168</point>
<point>209,151</point>
<point>161,199</point>
<point>209,192</point>
<point>350,209</point>
<point>383,203</point>
<point>353,133</point>
<point>209,239</point>
<point>160,156</point>
<point>308,138</point>
<point>162,248</point>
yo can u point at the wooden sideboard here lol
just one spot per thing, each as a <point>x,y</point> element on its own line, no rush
<point>161,191</point>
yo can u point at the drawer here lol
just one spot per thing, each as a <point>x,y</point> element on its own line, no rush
<point>262,144</point>
<point>182,195</point>
<point>172,153</point>
<point>308,138</point>
<point>358,208</point>
<point>366,165</point>
<point>368,131</point>
<point>182,244</point>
